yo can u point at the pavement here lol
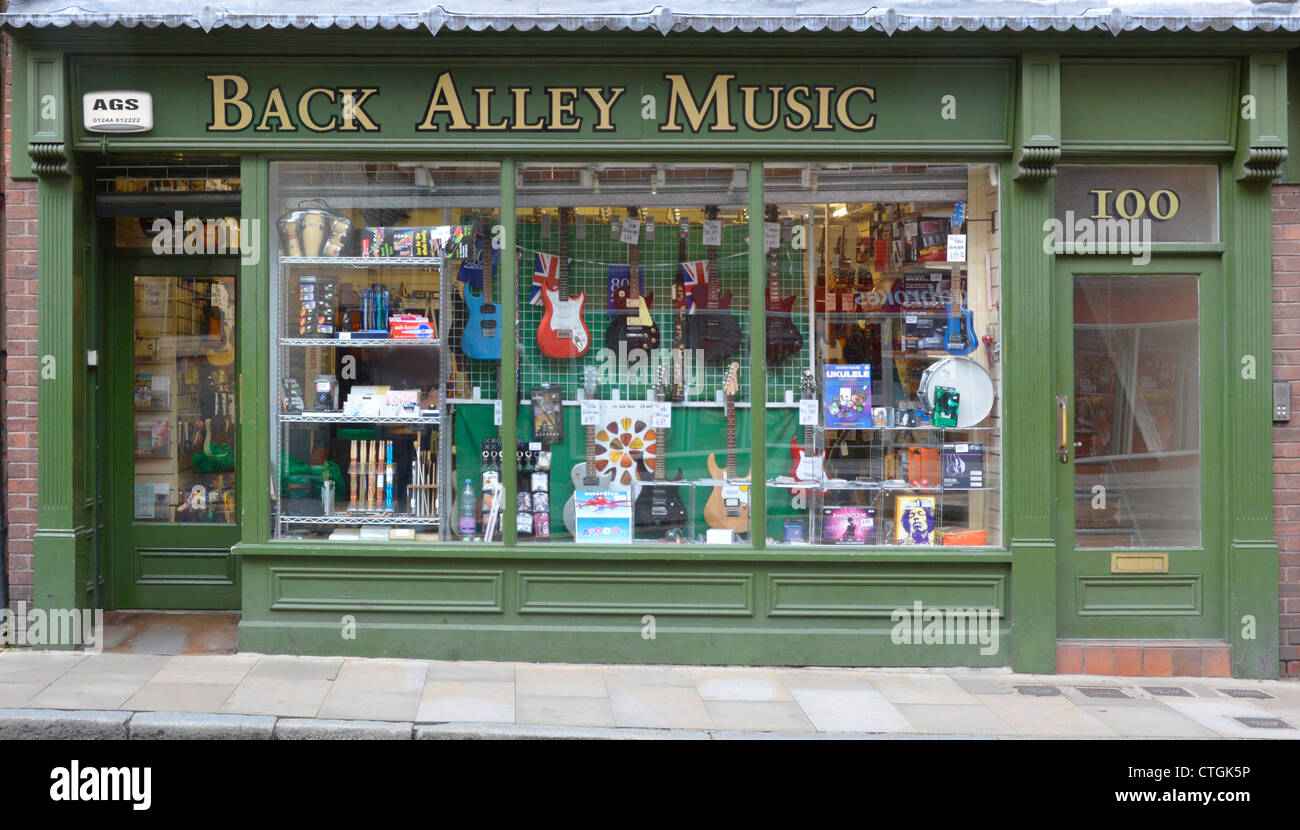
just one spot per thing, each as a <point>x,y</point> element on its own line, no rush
<point>52,694</point>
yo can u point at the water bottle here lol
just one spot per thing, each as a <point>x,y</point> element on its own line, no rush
<point>468,503</point>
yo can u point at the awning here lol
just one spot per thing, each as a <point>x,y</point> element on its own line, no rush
<point>681,16</point>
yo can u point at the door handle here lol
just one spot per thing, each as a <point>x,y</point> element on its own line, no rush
<point>1063,428</point>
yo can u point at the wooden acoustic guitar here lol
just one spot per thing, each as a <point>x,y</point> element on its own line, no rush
<point>728,504</point>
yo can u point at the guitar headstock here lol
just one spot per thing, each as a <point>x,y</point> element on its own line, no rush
<point>485,240</point>
<point>711,212</point>
<point>661,384</point>
<point>731,382</point>
<point>566,216</point>
<point>772,214</point>
<point>589,374</point>
<point>808,389</point>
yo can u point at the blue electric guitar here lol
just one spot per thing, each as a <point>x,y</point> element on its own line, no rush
<point>481,338</point>
<point>960,337</point>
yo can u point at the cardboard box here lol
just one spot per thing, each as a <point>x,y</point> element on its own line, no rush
<point>963,466</point>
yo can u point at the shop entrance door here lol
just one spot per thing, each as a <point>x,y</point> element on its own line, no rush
<point>172,385</point>
<point>1138,450</point>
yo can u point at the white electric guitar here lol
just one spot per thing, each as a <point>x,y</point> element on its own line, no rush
<point>584,474</point>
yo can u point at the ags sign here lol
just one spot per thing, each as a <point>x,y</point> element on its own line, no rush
<point>117,111</point>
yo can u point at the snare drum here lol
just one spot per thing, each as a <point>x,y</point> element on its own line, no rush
<point>972,382</point>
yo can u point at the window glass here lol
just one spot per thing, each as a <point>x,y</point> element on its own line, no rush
<point>633,298</point>
<point>883,336</point>
<point>386,351</point>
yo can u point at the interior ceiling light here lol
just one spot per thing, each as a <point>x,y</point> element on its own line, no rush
<point>841,211</point>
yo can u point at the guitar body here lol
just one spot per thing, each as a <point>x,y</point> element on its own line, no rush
<point>604,483</point>
<point>715,331</point>
<point>224,355</point>
<point>631,328</point>
<point>960,337</point>
<point>481,338</point>
<point>562,333</point>
<point>798,456</point>
<point>717,512</point>
<point>660,510</point>
<point>783,337</point>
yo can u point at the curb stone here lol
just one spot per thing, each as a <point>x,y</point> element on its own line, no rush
<point>524,731</point>
<point>175,726</point>
<point>60,724</point>
<point>310,729</point>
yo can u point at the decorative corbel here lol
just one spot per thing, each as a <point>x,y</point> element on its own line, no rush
<point>1262,114</point>
<point>1038,122</point>
<point>49,158</point>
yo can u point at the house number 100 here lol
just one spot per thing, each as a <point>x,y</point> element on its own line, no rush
<point>1131,204</point>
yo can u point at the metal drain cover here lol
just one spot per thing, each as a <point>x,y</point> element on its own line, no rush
<point>1101,691</point>
<point>1038,691</point>
<point>1251,693</point>
<point>1264,723</point>
<point>1167,691</point>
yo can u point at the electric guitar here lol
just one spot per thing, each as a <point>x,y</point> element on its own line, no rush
<point>728,504</point>
<point>562,333</point>
<point>713,328</point>
<point>584,474</point>
<point>481,337</point>
<point>681,320</point>
<point>783,338</point>
<point>660,512</point>
<point>223,355</point>
<point>633,324</point>
<point>960,337</point>
<point>805,457</point>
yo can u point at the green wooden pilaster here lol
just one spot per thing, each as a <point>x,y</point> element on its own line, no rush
<point>255,471</point>
<point>509,394</point>
<point>1028,405</point>
<point>757,359</point>
<point>1252,624</point>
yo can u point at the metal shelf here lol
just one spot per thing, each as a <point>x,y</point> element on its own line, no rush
<point>339,418</point>
<point>346,519</point>
<point>363,262</point>
<point>360,343</point>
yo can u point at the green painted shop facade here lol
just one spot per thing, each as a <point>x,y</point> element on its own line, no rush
<point>1029,104</point>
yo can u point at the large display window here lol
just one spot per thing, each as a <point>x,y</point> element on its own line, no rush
<point>633,370</point>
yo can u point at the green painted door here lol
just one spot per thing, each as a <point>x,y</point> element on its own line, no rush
<point>172,381</point>
<point>1138,447</point>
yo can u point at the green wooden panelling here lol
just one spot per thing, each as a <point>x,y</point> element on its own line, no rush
<point>1116,595</point>
<point>254,353</point>
<point>1117,105</point>
<point>509,394</point>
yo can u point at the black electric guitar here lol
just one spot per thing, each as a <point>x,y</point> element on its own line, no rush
<point>660,512</point>
<point>681,320</point>
<point>713,328</point>
<point>783,337</point>
<point>632,324</point>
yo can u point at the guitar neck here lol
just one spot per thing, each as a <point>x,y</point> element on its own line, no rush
<point>564,255</point>
<point>711,289</point>
<point>485,258</point>
<point>731,437</point>
<point>591,452</point>
<point>773,278</point>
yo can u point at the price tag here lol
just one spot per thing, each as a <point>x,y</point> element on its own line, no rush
<point>614,228</point>
<point>590,413</point>
<point>808,412</point>
<point>649,228</point>
<point>771,235</point>
<point>956,247</point>
<point>663,415</point>
<point>496,412</point>
<point>631,234</point>
<point>712,231</point>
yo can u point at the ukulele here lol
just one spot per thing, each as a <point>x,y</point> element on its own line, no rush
<point>783,337</point>
<point>660,512</point>
<point>677,389</point>
<point>481,337</point>
<point>806,466</point>
<point>728,505</point>
<point>713,328</point>
<point>585,475</point>
<point>562,333</point>
<point>633,324</point>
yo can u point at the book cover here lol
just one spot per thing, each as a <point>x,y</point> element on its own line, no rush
<point>914,520</point>
<point>848,396</point>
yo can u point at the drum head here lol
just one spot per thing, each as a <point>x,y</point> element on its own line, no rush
<point>971,381</point>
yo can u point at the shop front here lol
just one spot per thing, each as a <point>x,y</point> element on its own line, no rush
<point>833,349</point>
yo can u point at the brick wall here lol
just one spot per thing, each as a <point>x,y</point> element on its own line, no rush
<point>19,403</point>
<point>1286,437</point>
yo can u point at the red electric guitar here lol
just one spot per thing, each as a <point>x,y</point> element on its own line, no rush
<point>562,333</point>
<point>783,337</point>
